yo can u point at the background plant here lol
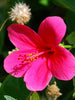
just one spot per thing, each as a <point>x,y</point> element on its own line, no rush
<point>14,89</point>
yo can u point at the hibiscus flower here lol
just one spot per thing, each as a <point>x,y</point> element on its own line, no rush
<point>39,55</point>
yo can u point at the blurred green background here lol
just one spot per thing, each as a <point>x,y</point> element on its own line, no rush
<point>14,89</point>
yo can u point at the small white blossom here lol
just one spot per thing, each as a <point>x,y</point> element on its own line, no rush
<point>20,13</point>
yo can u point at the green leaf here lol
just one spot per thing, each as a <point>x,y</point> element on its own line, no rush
<point>3,18</point>
<point>2,35</point>
<point>0,84</point>
<point>71,38</point>
<point>74,87</point>
<point>69,4</point>
<point>43,2</point>
<point>70,21</point>
<point>9,97</point>
<point>35,96</point>
<point>74,95</point>
<point>14,87</point>
<point>66,88</point>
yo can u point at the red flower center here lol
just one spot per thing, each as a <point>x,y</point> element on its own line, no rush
<point>34,55</point>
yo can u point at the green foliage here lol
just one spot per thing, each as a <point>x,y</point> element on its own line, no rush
<point>71,38</point>
<point>0,84</point>
<point>2,35</point>
<point>66,88</point>
<point>70,21</point>
<point>69,4</point>
<point>43,2</point>
<point>35,96</point>
<point>13,87</point>
<point>66,46</point>
<point>74,87</point>
<point>9,97</point>
<point>3,14</point>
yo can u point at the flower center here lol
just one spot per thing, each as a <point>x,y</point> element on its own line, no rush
<point>33,56</point>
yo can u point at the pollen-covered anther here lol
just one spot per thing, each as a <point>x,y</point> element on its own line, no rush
<point>33,58</point>
<point>29,54</point>
<point>28,57</point>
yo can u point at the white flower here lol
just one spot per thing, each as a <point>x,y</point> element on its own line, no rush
<point>20,13</point>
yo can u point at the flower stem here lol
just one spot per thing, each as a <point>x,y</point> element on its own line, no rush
<point>69,46</point>
<point>29,95</point>
<point>66,46</point>
<point>3,24</point>
<point>50,98</point>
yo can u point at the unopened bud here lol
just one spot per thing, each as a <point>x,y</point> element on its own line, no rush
<point>53,91</point>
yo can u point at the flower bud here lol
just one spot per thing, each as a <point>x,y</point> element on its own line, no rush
<point>53,91</point>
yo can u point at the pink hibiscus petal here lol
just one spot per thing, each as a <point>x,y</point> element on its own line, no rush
<point>38,76</point>
<point>63,64</point>
<point>52,30</point>
<point>17,64</point>
<point>23,37</point>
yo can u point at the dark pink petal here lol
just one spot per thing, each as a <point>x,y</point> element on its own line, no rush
<point>63,64</point>
<point>17,64</point>
<point>23,37</point>
<point>52,30</point>
<point>38,76</point>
